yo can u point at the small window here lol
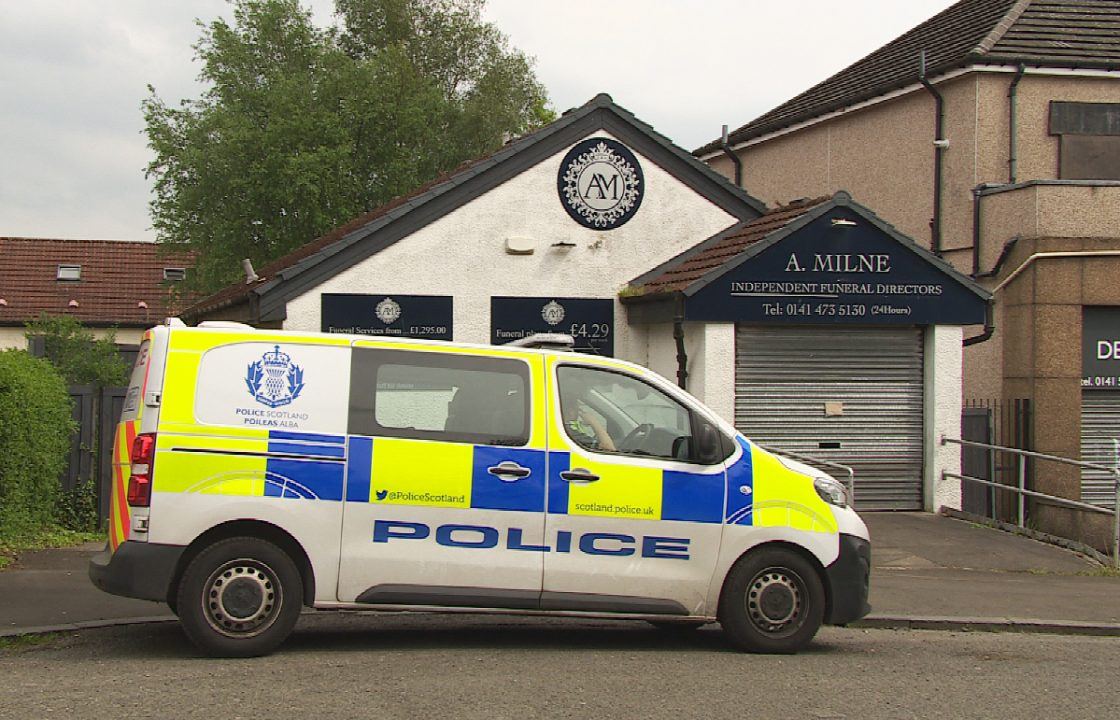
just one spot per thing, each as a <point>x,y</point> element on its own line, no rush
<point>606,411</point>
<point>175,274</point>
<point>69,272</point>
<point>432,396</point>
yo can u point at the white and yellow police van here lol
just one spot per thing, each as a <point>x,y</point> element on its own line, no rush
<point>257,472</point>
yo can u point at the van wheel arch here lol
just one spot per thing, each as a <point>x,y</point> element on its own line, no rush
<point>247,528</point>
<point>805,554</point>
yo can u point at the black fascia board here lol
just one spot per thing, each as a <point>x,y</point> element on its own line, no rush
<point>840,199</point>
<point>506,163</point>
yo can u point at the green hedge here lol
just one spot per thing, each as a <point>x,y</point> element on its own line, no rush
<point>35,430</point>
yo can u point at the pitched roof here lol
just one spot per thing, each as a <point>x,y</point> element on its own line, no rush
<point>695,270</point>
<point>693,264</point>
<point>1061,33</point>
<point>116,277</point>
<point>379,228</point>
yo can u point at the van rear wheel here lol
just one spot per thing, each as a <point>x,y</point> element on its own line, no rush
<point>772,602</point>
<point>240,597</point>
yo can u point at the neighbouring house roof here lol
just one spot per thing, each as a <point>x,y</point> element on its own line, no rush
<point>1047,33</point>
<point>119,283</point>
<point>368,234</point>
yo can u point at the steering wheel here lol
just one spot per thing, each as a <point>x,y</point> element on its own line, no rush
<point>635,436</point>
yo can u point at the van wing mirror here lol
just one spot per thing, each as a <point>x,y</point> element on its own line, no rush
<point>709,450</point>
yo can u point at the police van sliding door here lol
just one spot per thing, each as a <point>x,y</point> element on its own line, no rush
<point>445,479</point>
<point>633,522</point>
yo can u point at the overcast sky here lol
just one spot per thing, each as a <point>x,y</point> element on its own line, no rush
<point>73,74</point>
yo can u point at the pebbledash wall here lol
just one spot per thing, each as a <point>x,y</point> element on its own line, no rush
<point>515,238</point>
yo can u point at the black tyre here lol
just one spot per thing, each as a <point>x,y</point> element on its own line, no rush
<point>772,602</point>
<point>677,626</point>
<point>240,597</point>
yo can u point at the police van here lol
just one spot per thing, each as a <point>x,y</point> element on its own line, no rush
<point>257,472</point>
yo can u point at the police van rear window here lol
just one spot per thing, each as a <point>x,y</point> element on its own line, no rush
<point>136,380</point>
<point>431,396</point>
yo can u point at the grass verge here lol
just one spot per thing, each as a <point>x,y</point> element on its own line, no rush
<point>18,643</point>
<point>1102,571</point>
<point>50,536</point>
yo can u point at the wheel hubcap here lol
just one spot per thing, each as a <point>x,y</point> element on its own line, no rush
<point>775,601</point>
<point>242,598</point>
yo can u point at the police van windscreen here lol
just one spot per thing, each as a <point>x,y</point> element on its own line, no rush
<point>136,383</point>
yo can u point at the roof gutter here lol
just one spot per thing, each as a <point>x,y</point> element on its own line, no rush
<point>940,144</point>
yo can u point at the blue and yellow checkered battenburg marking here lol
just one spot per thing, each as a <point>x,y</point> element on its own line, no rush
<point>757,488</point>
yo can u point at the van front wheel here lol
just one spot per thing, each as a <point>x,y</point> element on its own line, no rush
<point>772,602</point>
<point>240,597</point>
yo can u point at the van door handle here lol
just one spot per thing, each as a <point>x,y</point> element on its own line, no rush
<point>578,475</point>
<point>509,471</point>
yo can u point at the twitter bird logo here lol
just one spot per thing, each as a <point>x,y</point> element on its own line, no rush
<point>382,494</point>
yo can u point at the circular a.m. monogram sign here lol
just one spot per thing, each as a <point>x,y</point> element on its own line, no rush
<point>600,183</point>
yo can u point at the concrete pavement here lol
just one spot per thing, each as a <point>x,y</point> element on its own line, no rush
<point>929,571</point>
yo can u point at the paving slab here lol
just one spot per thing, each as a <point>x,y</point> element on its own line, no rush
<point>927,541</point>
<point>52,587</point>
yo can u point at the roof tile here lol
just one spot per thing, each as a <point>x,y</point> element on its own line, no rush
<point>715,252</point>
<point>1081,33</point>
<point>116,277</point>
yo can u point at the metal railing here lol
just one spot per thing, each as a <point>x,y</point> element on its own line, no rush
<point>1023,492</point>
<point>818,461</point>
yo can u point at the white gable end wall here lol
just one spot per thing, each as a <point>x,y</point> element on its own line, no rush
<point>463,254</point>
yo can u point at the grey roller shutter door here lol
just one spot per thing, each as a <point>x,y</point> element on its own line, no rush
<point>788,380</point>
<point>1100,424</point>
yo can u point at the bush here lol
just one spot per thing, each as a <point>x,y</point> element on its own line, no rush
<point>35,430</point>
<point>79,356</point>
<point>77,509</point>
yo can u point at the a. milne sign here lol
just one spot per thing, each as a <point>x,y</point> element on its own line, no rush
<point>831,272</point>
<point>1100,348</point>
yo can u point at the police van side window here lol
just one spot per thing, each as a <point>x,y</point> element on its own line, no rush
<point>610,412</point>
<point>435,396</point>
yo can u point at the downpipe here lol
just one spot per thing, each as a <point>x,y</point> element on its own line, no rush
<point>735,159</point>
<point>678,337</point>
<point>939,146</point>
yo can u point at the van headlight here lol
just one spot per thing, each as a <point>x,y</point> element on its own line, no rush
<point>831,491</point>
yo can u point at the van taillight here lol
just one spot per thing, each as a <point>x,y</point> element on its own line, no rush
<point>140,478</point>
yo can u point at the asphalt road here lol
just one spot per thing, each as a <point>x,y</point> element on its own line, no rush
<point>423,666</point>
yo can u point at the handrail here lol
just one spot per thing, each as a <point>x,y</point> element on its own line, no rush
<point>1075,504</point>
<point>819,461</point>
<point>1030,453</point>
<point>1023,492</point>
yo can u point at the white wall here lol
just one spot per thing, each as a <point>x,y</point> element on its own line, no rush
<point>943,356</point>
<point>13,337</point>
<point>463,253</point>
<point>710,348</point>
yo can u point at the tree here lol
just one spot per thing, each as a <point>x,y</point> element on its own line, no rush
<point>301,129</point>
<point>80,358</point>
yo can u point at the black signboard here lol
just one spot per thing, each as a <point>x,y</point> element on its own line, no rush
<point>427,317</point>
<point>839,269</point>
<point>589,321</point>
<point>1100,348</point>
